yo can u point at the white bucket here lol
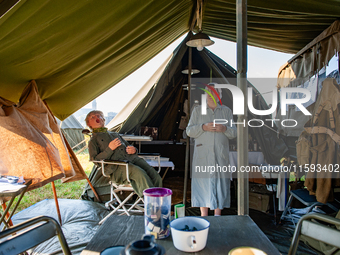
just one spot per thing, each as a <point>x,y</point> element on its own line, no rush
<point>193,240</point>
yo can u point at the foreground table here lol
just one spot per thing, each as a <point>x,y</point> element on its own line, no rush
<point>225,233</point>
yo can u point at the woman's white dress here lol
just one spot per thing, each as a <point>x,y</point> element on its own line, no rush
<point>210,184</point>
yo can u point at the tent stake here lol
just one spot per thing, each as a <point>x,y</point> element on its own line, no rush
<point>56,202</point>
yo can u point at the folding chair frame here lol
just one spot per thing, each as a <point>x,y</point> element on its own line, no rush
<point>116,188</point>
<point>30,233</point>
<point>316,231</point>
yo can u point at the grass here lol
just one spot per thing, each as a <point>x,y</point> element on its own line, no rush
<point>71,190</point>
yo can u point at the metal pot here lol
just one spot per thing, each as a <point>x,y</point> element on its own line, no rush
<point>146,246</point>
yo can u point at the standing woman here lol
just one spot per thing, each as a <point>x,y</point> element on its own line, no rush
<point>210,184</point>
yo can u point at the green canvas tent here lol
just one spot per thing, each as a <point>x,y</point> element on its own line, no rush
<point>75,51</point>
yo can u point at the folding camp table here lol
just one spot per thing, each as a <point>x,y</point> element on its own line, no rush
<point>161,164</point>
<point>136,138</point>
<point>10,193</point>
<point>153,163</point>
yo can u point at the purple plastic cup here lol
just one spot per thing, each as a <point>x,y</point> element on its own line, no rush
<point>157,212</point>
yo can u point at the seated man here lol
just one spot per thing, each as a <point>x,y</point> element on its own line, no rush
<point>109,145</point>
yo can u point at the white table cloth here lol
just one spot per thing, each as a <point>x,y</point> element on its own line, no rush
<point>254,157</point>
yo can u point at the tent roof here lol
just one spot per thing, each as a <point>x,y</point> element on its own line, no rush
<point>75,51</point>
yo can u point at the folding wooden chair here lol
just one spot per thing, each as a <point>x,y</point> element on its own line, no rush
<point>317,231</point>
<point>121,206</point>
<point>30,233</point>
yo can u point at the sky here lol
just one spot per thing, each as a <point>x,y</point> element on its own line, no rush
<point>261,64</point>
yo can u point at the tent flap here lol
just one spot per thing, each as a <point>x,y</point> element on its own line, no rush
<point>31,142</point>
<point>312,58</point>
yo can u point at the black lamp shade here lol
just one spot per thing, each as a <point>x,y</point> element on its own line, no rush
<point>200,40</point>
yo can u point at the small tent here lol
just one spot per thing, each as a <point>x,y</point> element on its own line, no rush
<point>72,130</point>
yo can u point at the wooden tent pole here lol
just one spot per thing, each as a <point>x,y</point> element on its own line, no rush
<point>56,202</point>
<point>94,191</point>
<point>76,161</point>
<point>69,149</point>
<point>52,183</point>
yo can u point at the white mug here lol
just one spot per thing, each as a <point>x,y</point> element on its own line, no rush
<point>193,240</point>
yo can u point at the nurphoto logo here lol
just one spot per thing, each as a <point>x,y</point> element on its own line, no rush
<point>238,104</point>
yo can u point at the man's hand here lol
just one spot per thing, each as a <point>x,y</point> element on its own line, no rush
<point>220,128</point>
<point>209,127</point>
<point>131,150</point>
<point>115,144</point>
